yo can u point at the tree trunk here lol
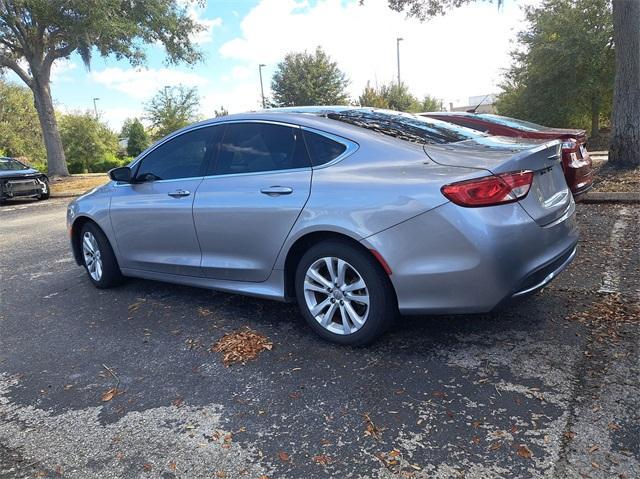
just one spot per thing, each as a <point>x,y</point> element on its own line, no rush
<point>624,150</point>
<point>595,118</point>
<point>56,163</point>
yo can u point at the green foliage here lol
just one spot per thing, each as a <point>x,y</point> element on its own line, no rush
<point>138,140</point>
<point>425,9</point>
<point>563,71</point>
<point>110,27</point>
<point>89,145</point>
<point>171,109</point>
<point>309,79</point>
<point>19,126</point>
<point>397,97</point>
<point>221,112</point>
<point>431,103</point>
<point>373,98</point>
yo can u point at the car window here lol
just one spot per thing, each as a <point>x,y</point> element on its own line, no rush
<point>181,157</point>
<point>405,126</point>
<point>9,164</point>
<point>322,149</point>
<point>253,147</point>
<point>513,122</point>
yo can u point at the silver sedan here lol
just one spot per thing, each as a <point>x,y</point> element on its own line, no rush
<point>357,214</point>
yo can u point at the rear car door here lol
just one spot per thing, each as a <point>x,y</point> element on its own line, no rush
<point>254,192</point>
<point>153,217</point>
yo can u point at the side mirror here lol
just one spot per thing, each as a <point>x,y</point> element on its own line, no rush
<point>122,174</point>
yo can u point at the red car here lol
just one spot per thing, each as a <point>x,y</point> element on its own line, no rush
<point>576,162</point>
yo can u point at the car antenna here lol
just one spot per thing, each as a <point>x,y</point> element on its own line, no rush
<point>473,110</point>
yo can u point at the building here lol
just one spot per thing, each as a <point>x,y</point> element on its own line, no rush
<point>482,104</point>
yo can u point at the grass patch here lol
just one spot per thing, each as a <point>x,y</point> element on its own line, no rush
<point>77,184</point>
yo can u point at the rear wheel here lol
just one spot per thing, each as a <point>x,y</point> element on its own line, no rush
<point>344,294</point>
<point>98,257</point>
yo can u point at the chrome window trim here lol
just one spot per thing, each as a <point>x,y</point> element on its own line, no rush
<point>144,154</point>
<point>351,147</point>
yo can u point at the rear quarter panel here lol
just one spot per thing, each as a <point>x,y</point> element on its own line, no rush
<point>385,182</point>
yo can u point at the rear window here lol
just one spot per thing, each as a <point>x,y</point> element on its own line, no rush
<point>322,149</point>
<point>405,126</point>
<point>513,122</point>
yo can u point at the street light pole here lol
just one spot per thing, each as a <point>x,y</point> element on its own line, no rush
<point>398,40</point>
<point>95,107</point>
<point>261,87</point>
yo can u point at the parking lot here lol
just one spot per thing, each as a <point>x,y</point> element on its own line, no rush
<point>548,387</point>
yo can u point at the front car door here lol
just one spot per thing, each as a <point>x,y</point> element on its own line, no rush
<point>253,194</point>
<point>153,216</point>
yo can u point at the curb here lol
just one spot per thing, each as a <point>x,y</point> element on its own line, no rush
<point>64,195</point>
<point>611,197</point>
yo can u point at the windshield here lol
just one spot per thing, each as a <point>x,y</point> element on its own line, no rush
<point>513,122</point>
<point>9,164</point>
<point>405,126</point>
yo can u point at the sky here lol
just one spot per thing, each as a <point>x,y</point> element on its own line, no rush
<point>453,57</point>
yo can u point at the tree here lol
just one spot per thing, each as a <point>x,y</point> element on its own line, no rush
<point>87,142</point>
<point>309,79</point>
<point>137,140</point>
<point>221,112</point>
<point>542,85</point>
<point>19,129</point>
<point>171,109</point>
<point>36,33</point>
<point>372,97</point>
<point>431,103</point>
<point>624,149</point>
<point>397,97</point>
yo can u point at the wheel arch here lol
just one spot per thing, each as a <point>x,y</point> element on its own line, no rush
<point>306,241</point>
<point>76,228</point>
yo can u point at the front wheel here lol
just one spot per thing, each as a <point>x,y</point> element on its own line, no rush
<point>344,294</point>
<point>45,193</point>
<point>98,258</point>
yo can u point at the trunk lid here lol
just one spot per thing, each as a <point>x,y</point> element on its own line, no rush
<point>549,197</point>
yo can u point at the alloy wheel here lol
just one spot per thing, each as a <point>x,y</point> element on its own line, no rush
<point>92,256</point>
<point>336,295</point>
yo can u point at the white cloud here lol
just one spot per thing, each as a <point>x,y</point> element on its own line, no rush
<point>141,84</point>
<point>60,70</point>
<point>452,57</point>
<point>196,11</point>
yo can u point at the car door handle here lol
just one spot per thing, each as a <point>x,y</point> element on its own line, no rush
<point>179,193</point>
<point>276,190</point>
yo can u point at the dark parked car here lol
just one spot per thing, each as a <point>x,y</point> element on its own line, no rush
<point>576,162</point>
<point>17,180</point>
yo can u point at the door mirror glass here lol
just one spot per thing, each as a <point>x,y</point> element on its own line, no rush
<point>122,174</point>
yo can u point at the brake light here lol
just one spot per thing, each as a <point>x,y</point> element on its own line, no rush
<point>490,190</point>
<point>569,145</point>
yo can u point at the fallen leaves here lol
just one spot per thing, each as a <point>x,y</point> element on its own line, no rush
<point>241,346</point>
<point>283,456</point>
<point>321,459</point>
<point>524,452</point>
<point>109,394</point>
<point>612,307</point>
<point>371,429</point>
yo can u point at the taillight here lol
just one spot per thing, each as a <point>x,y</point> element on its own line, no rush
<point>569,145</point>
<point>490,190</point>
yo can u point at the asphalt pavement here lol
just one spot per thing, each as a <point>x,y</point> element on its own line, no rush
<point>521,392</point>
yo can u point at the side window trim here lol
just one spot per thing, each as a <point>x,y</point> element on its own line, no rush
<point>350,146</point>
<point>135,165</point>
<point>210,170</point>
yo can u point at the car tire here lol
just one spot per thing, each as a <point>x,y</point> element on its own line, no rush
<point>98,258</point>
<point>369,310</point>
<point>45,195</point>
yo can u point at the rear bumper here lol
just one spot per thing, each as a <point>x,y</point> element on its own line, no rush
<point>469,260</point>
